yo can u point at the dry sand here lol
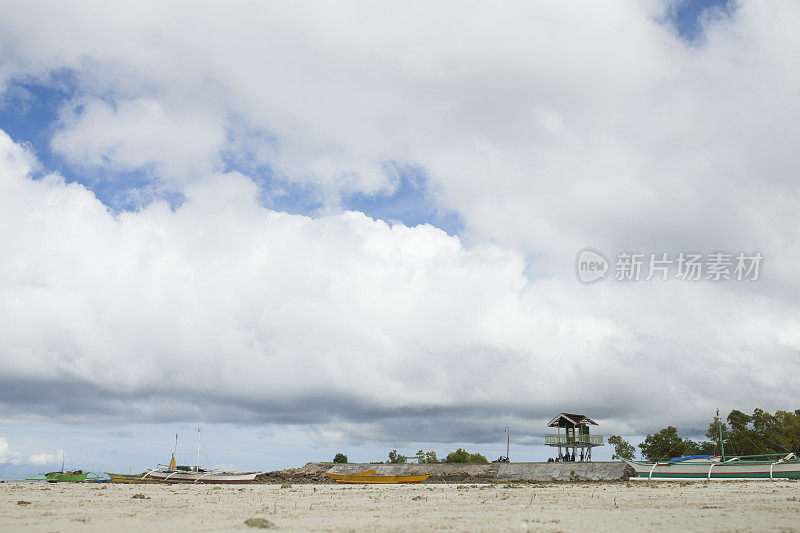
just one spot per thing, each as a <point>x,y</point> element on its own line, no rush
<point>714,506</point>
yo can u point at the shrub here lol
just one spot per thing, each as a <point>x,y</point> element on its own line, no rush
<point>463,456</point>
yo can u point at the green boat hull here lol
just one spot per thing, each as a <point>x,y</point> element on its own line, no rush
<point>63,477</point>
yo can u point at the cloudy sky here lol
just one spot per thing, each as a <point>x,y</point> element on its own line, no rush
<point>314,227</point>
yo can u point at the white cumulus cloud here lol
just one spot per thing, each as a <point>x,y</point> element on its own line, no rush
<point>41,459</point>
<point>548,127</point>
<point>8,456</point>
<point>223,310</point>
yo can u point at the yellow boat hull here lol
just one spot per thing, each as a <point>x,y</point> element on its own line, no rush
<point>341,476</point>
<point>128,478</point>
<point>376,480</point>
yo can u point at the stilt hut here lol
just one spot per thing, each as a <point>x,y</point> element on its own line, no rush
<point>572,433</point>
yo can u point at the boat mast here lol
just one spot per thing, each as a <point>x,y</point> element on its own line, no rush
<point>172,463</point>
<point>721,445</point>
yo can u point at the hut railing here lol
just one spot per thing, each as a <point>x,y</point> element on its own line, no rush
<point>563,440</point>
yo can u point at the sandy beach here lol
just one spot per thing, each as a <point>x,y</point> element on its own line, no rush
<point>715,506</point>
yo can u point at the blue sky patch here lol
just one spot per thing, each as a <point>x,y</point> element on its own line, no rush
<point>687,15</point>
<point>411,203</point>
<point>29,113</point>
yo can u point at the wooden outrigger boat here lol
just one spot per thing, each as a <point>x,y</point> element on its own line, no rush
<point>192,474</point>
<point>128,478</point>
<point>174,473</point>
<point>766,466</point>
<point>375,479</point>
<point>718,467</point>
<point>65,476</point>
<point>342,476</point>
<point>62,476</point>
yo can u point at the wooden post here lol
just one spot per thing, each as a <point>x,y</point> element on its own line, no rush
<point>558,440</point>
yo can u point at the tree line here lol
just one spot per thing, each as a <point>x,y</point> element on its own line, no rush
<point>458,456</point>
<point>742,434</point>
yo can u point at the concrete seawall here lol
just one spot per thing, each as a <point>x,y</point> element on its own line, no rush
<point>459,472</point>
<point>577,471</point>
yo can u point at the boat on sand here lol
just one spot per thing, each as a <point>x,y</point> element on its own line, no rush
<point>342,476</point>
<point>174,473</point>
<point>128,478</point>
<point>193,474</point>
<point>370,479</point>
<point>766,466</point>
<point>65,476</point>
<point>720,467</point>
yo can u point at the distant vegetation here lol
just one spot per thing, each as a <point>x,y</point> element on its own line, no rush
<point>426,457</point>
<point>340,458</point>
<point>761,432</point>
<point>396,458</point>
<point>423,457</point>
<point>666,443</point>
<point>743,434</point>
<point>463,456</point>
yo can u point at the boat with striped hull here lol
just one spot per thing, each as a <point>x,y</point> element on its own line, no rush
<point>193,474</point>
<point>374,479</point>
<point>765,466</point>
<point>708,467</point>
<point>174,473</point>
<point>128,478</point>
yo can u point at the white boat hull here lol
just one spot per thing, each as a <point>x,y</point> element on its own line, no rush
<point>167,476</point>
<point>717,470</point>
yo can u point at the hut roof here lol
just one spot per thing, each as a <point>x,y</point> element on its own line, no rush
<point>570,419</point>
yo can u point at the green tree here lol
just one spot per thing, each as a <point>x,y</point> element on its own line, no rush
<point>743,434</point>
<point>760,432</point>
<point>340,458</point>
<point>426,457</point>
<point>622,448</point>
<point>787,431</point>
<point>478,459</point>
<point>739,437</point>
<point>463,456</point>
<point>703,448</point>
<point>666,443</point>
<point>458,456</point>
<point>396,458</point>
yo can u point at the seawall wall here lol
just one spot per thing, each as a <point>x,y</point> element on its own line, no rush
<point>459,472</point>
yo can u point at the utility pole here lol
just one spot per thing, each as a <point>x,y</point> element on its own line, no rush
<point>508,442</point>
